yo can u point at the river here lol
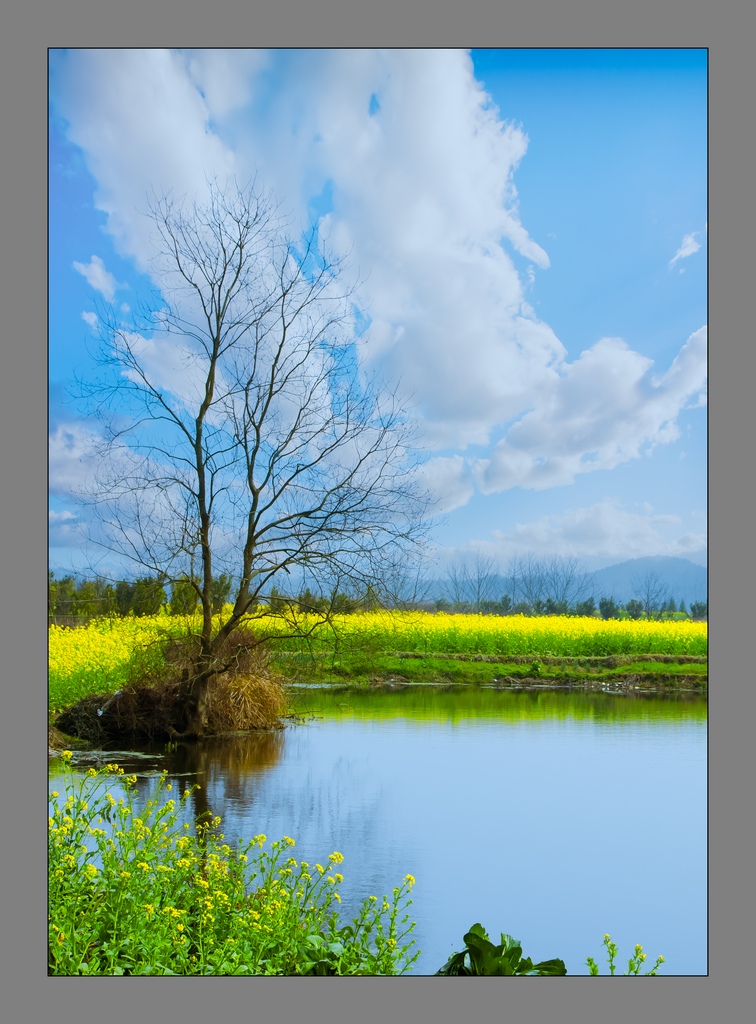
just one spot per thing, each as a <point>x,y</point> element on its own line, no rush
<point>556,817</point>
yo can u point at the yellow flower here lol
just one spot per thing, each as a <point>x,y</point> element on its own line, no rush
<point>409,879</point>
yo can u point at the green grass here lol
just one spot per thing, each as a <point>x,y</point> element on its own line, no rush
<point>133,892</point>
<point>361,670</point>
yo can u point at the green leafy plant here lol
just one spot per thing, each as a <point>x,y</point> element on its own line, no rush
<point>136,892</point>
<point>634,964</point>
<point>481,957</point>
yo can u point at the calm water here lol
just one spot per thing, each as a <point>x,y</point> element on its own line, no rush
<point>556,817</point>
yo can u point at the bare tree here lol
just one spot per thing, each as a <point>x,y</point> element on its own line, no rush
<point>470,579</point>
<point>528,580</point>
<point>566,582</point>
<point>240,435</point>
<point>652,592</point>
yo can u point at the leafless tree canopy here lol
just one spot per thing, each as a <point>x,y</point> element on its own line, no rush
<point>240,434</point>
<point>651,590</point>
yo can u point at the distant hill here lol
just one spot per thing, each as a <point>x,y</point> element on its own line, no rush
<point>683,579</point>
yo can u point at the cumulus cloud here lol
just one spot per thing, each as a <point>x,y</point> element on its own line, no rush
<point>422,191</point>
<point>91,319</point>
<point>71,457</point>
<point>415,167</point>
<point>597,412</point>
<point>603,532</point>
<point>688,246</point>
<point>62,529</point>
<point>97,277</point>
<point>448,481</point>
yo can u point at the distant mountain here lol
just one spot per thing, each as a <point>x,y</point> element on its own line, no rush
<point>680,578</point>
<point>683,579</point>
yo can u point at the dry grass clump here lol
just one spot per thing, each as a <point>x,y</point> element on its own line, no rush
<point>242,696</point>
<point>238,703</point>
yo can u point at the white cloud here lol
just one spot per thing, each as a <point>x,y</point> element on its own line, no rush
<point>424,204</point>
<point>599,411</point>
<point>91,319</point>
<point>72,457</point>
<point>448,481</point>
<point>142,125</point>
<point>63,529</point>
<point>98,277</point>
<point>688,246</point>
<point>601,533</point>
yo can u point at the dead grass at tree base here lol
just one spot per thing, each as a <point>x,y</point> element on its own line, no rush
<point>246,696</point>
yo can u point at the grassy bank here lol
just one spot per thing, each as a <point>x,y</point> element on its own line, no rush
<point>665,672</point>
<point>414,647</point>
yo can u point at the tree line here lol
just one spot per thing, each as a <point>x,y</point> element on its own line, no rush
<point>551,585</point>
<point>144,595</point>
<point>467,590</point>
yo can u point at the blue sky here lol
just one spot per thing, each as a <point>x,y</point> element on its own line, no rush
<point>530,231</point>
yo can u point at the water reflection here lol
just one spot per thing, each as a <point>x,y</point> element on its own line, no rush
<point>554,816</point>
<point>227,769</point>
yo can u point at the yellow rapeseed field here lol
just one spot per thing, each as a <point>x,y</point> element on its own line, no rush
<point>95,658</point>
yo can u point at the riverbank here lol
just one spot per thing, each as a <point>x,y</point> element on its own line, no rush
<point>621,673</point>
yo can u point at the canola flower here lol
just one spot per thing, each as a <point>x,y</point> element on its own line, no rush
<point>143,897</point>
<point>96,658</point>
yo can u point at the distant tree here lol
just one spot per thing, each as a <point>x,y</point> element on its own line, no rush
<point>682,607</point>
<point>184,596</point>
<point>470,580</point>
<point>634,609</point>
<point>220,591</point>
<point>566,581</point>
<point>124,597</point>
<point>587,607</point>
<point>105,592</point>
<point>62,595</point>
<point>699,609</point>
<point>671,606</point>
<point>609,608</point>
<point>527,576</point>
<point>85,599</point>
<point>505,604</point>
<point>343,604</point>
<point>651,590</point>
<point>309,602</point>
<point>148,595</point>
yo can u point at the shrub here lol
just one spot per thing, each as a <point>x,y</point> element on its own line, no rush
<point>138,893</point>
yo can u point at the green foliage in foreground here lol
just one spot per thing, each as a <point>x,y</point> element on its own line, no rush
<point>481,958</point>
<point>138,893</point>
<point>634,964</point>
